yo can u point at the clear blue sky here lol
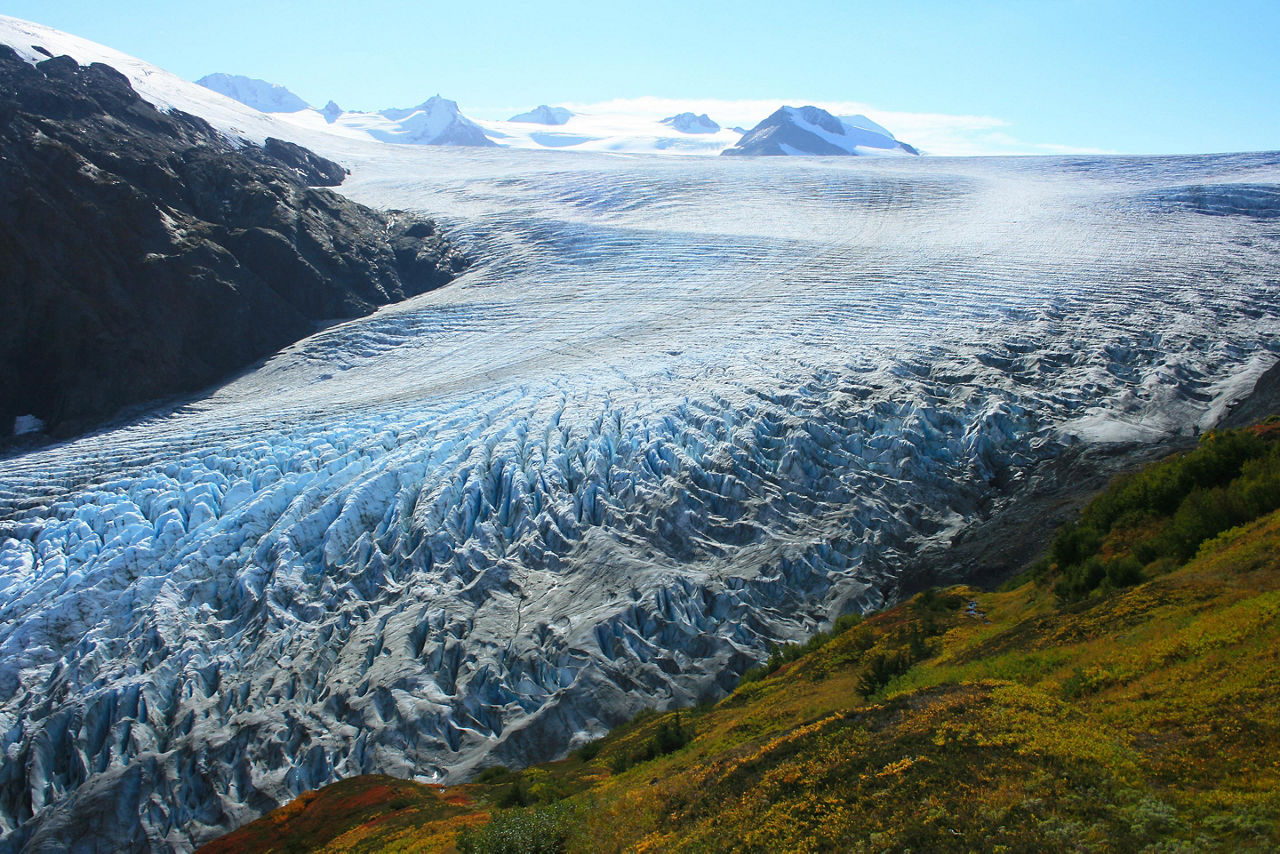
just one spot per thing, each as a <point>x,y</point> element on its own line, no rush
<point>1135,76</point>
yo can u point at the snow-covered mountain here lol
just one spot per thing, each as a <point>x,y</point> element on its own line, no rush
<point>436,121</point>
<point>544,115</point>
<point>790,130</point>
<point>691,123</point>
<point>679,410</point>
<point>317,129</point>
<point>612,132</point>
<point>36,42</point>
<point>814,131</point>
<point>259,94</point>
<point>862,122</point>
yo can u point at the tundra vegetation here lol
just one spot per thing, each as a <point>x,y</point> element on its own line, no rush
<point>1119,696</point>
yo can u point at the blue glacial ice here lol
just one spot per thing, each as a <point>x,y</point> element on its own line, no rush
<point>677,412</point>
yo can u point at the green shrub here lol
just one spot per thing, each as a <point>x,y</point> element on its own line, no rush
<point>844,623</point>
<point>669,737</point>
<point>1124,572</point>
<point>1230,479</point>
<point>788,653</point>
<point>1083,682</point>
<point>588,751</point>
<point>514,795</point>
<point>493,772</point>
<point>935,602</point>
<point>880,670</point>
<point>532,830</point>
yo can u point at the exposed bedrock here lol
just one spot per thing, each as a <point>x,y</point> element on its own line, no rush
<point>145,255</point>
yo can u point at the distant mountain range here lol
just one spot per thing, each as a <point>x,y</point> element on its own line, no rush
<point>791,131</point>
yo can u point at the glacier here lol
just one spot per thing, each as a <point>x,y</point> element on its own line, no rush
<point>679,410</point>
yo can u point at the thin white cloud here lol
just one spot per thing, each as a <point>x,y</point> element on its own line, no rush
<point>941,134</point>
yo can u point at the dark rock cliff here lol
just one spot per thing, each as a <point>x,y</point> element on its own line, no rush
<point>142,254</point>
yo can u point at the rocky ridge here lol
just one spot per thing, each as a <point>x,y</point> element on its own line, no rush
<point>147,255</point>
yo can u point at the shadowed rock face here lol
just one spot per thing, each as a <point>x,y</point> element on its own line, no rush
<point>145,255</point>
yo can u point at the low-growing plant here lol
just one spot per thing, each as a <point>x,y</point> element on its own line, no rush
<point>782,655</point>
<point>669,737</point>
<point>588,751</point>
<point>908,646</point>
<point>531,830</point>
<point>1155,520</point>
<point>935,601</point>
<point>514,795</point>
<point>493,772</point>
<point>1083,682</point>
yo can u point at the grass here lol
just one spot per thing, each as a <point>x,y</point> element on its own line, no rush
<point>363,814</point>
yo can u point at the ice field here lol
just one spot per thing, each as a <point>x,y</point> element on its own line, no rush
<point>677,411</point>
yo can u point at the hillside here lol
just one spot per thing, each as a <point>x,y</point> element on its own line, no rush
<point>146,255</point>
<point>1131,709</point>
